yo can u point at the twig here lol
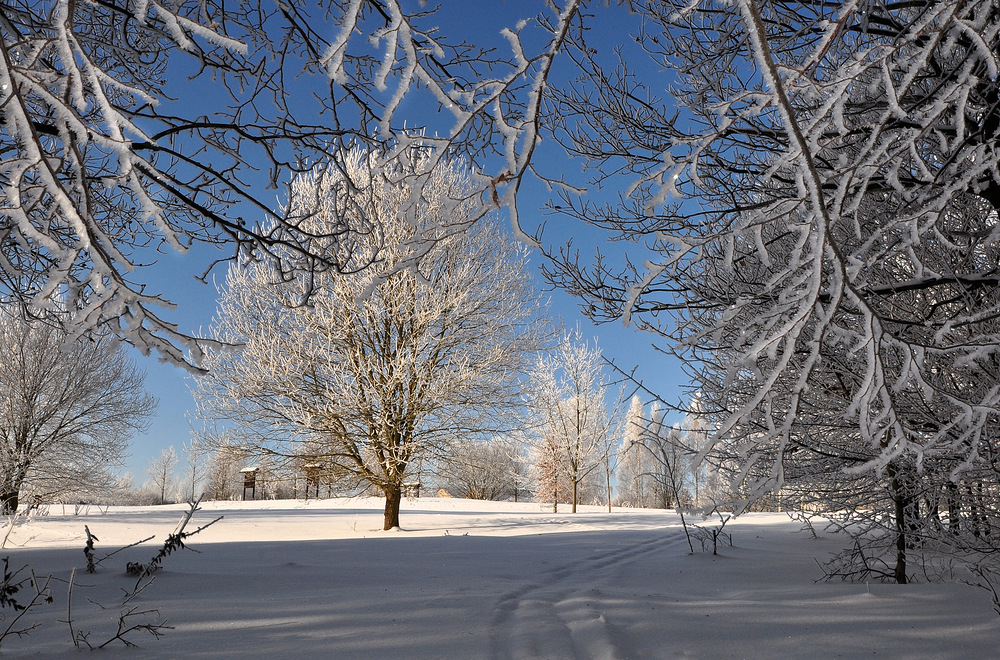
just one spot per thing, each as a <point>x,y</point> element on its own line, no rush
<point>124,628</point>
<point>129,595</point>
<point>11,519</point>
<point>69,600</point>
<point>985,583</point>
<point>174,541</point>
<point>130,545</point>
<point>42,594</point>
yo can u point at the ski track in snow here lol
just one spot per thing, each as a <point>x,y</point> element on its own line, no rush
<point>553,618</point>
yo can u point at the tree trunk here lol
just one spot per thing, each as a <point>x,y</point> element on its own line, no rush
<point>899,506</point>
<point>575,486</point>
<point>954,509</point>
<point>900,569</point>
<point>697,486</point>
<point>982,520</point>
<point>393,496</point>
<point>607,465</point>
<point>9,503</point>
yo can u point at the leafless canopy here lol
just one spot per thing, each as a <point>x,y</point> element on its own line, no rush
<point>67,410</point>
<point>388,365</point>
<point>133,127</point>
<point>578,418</point>
<point>819,202</point>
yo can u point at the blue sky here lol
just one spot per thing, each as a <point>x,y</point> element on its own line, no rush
<point>175,274</point>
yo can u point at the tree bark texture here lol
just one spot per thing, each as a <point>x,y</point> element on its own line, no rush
<point>393,496</point>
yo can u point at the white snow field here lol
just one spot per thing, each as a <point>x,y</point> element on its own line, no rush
<point>468,579</point>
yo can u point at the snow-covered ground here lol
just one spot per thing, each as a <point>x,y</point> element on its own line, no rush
<point>465,579</point>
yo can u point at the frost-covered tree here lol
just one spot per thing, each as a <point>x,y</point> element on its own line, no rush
<point>122,493</point>
<point>633,464</point>
<point>161,471</point>
<point>388,365</point>
<point>223,480</point>
<point>707,486</point>
<point>67,410</point>
<point>659,464</point>
<point>731,164</point>
<point>484,470</point>
<point>671,460</point>
<point>550,485</point>
<point>196,468</point>
<point>577,415</point>
<point>834,288</point>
